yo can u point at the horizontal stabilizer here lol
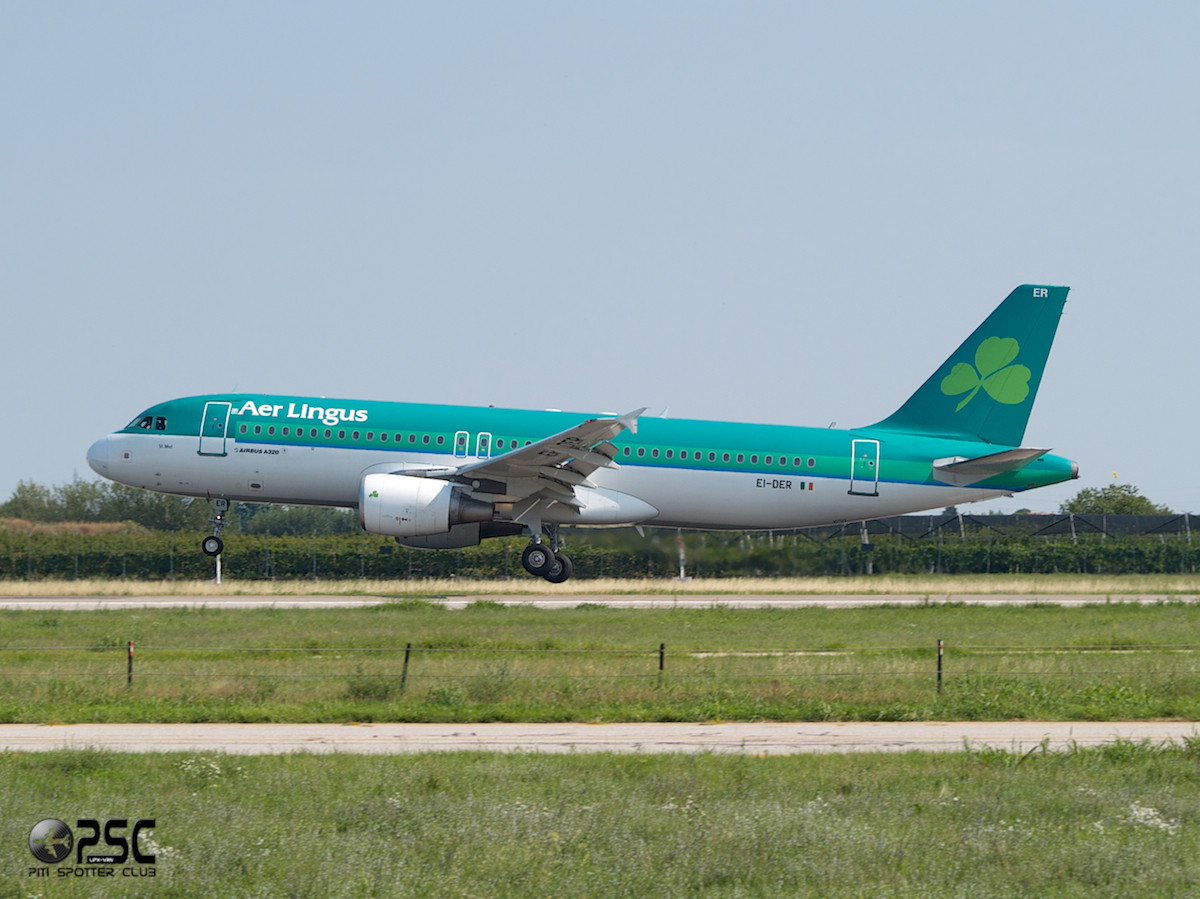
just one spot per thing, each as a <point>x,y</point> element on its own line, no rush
<point>961,471</point>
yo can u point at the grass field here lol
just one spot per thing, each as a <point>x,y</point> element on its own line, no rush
<point>491,662</point>
<point>940,585</point>
<point>1119,821</point>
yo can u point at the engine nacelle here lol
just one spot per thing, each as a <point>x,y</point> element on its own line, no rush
<point>402,506</point>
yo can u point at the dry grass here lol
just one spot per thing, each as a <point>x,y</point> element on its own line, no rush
<point>83,528</point>
<point>919,585</point>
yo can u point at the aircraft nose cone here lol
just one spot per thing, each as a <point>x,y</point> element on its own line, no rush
<point>97,456</point>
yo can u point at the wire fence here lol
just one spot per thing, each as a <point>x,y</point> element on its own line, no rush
<point>932,665</point>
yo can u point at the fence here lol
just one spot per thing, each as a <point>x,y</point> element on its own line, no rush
<point>449,676</point>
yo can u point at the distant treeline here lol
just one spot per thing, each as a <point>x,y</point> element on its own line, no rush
<point>104,501</point>
<point>128,551</point>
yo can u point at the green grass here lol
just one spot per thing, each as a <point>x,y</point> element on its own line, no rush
<point>489,662</point>
<point>1118,821</point>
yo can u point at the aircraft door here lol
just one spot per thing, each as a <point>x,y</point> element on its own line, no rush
<point>462,440</point>
<point>864,468</point>
<point>483,445</point>
<point>213,427</point>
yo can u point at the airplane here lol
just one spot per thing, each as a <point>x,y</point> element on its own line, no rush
<point>444,477</point>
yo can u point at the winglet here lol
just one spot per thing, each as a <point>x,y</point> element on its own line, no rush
<point>630,419</point>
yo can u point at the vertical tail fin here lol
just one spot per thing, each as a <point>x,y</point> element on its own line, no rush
<point>986,389</point>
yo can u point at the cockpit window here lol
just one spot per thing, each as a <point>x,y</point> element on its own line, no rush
<point>148,423</point>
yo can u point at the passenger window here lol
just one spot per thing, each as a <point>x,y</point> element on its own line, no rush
<point>754,459</point>
<point>725,457</point>
<point>812,463</point>
<point>712,457</point>
<point>741,458</point>
<point>641,451</point>
<point>355,435</point>
<point>271,430</point>
<point>669,454</point>
<point>341,435</point>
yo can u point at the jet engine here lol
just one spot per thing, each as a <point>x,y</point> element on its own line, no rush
<point>405,506</point>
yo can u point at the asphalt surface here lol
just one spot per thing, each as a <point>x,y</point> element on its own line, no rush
<point>546,601</point>
<point>748,739</point>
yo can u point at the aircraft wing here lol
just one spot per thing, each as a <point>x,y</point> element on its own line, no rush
<point>961,471</point>
<point>551,468</point>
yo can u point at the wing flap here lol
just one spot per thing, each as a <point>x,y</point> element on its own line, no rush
<point>548,471</point>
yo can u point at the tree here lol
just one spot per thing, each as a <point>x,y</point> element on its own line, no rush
<point>102,501</point>
<point>30,501</point>
<point>298,520</point>
<point>1115,499</point>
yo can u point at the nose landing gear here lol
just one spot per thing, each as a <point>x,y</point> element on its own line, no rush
<point>212,546</point>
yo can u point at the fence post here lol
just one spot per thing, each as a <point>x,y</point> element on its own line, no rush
<point>129,671</point>
<point>941,653</point>
<point>404,670</point>
<point>662,656</point>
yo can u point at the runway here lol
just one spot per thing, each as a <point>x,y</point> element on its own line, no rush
<point>761,739</point>
<point>549,601</point>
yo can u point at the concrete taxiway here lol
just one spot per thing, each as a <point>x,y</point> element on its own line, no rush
<point>549,601</point>
<point>745,738</point>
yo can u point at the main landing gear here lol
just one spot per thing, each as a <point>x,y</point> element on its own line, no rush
<point>547,561</point>
<point>213,545</point>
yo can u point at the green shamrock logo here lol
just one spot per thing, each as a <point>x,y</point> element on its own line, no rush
<point>993,371</point>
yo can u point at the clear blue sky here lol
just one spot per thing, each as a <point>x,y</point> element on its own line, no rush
<point>780,212</point>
